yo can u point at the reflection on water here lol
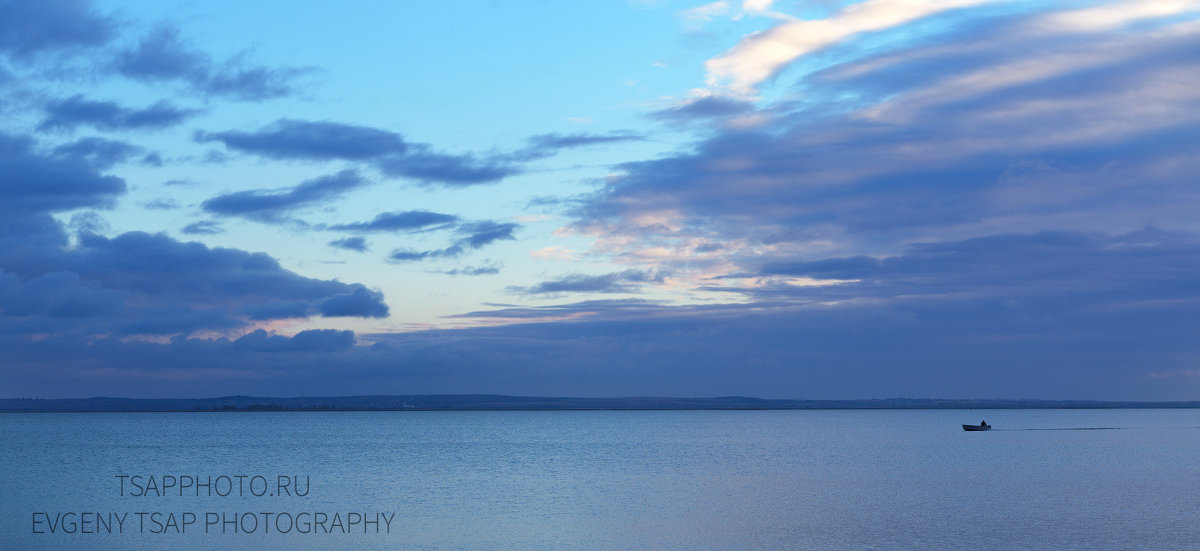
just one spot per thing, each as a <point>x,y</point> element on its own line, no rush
<point>1042,479</point>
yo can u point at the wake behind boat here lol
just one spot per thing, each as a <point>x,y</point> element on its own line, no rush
<point>981,426</point>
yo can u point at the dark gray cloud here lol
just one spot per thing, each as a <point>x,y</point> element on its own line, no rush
<point>480,234</point>
<point>408,255</point>
<point>163,55</point>
<point>57,295</point>
<point>32,182</point>
<point>101,153</point>
<point>706,108</point>
<point>312,340</point>
<point>411,220</point>
<point>565,141</point>
<point>78,111</point>
<point>143,284</point>
<point>472,271</point>
<point>270,206</point>
<point>546,145</point>
<point>472,235</point>
<point>253,83</point>
<point>387,151</point>
<point>350,244</point>
<point>28,28</point>
<point>88,222</point>
<point>360,302</point>
<point>311,141</point>
<point>1148,264</point>
<point>608,309</point>
<point>627,281</point>
<point>276,309</point>
<point>203,227</point>
<point>449,170</point>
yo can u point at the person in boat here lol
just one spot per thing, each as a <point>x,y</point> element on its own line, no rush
<point>983,423</point>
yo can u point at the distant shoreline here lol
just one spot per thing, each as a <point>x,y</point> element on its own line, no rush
<point>495,402</point>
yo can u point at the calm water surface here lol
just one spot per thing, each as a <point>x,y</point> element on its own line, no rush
<point>629,480</point>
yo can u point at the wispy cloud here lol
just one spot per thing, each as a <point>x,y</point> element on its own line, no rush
<point>317,141</point>
<point>616,282</point>
<point>163,55</point>
<point>78,111</point>
<point>358,244</point>
<point>760,56</point>
<point>271,206</point>
<point>472,236</point>
<point>389,152</point>
<point>203,227</point>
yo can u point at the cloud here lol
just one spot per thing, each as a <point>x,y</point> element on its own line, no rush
<point>991,316</point>
<point>360,302</point>
<point>696,17</point>
<point>942,139</point>
<point>627,281</point>
<point>253,83</point>
<point>203,227</point>
<point>276,310</point>
<point>162,55</point>
<point>31,182</point>
<point>57,295</point>
<point>479,234</point>
<point>323,141</point>
<point>549,143</point>
<point>757,5</point>
<point>88,222</point>
<point>386,151</point>
<point>99,152</point>
<point>964,348</point>
<point>472,235</point>
<point>473,271</point>
<point>448,170</point>
<point>1139,266</point>
<point>606,309</point>
<point>313,141</point>
<point>399,221</point>
<point>312,340</point>
<point>77,111</point>
<point>161,204</point>
<point>270,206</point>
<point>760,56</point>
<point>408,255</point>
<point>29,28</point>
<point>704,108</point>
<point>350,244</point>
<point>146,284</point>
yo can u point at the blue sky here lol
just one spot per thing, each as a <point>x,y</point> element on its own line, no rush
<point>825,199</point>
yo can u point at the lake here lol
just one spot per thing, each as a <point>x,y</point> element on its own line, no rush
<point>810,479</point>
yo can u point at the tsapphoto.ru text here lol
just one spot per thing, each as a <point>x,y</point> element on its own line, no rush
<point>214,485</point>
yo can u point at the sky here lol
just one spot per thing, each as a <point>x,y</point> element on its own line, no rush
<point>825,199</point>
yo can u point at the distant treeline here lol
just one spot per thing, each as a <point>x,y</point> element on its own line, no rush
<point>491,402</point>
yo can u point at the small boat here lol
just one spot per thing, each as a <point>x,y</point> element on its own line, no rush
<point>980,426</point>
